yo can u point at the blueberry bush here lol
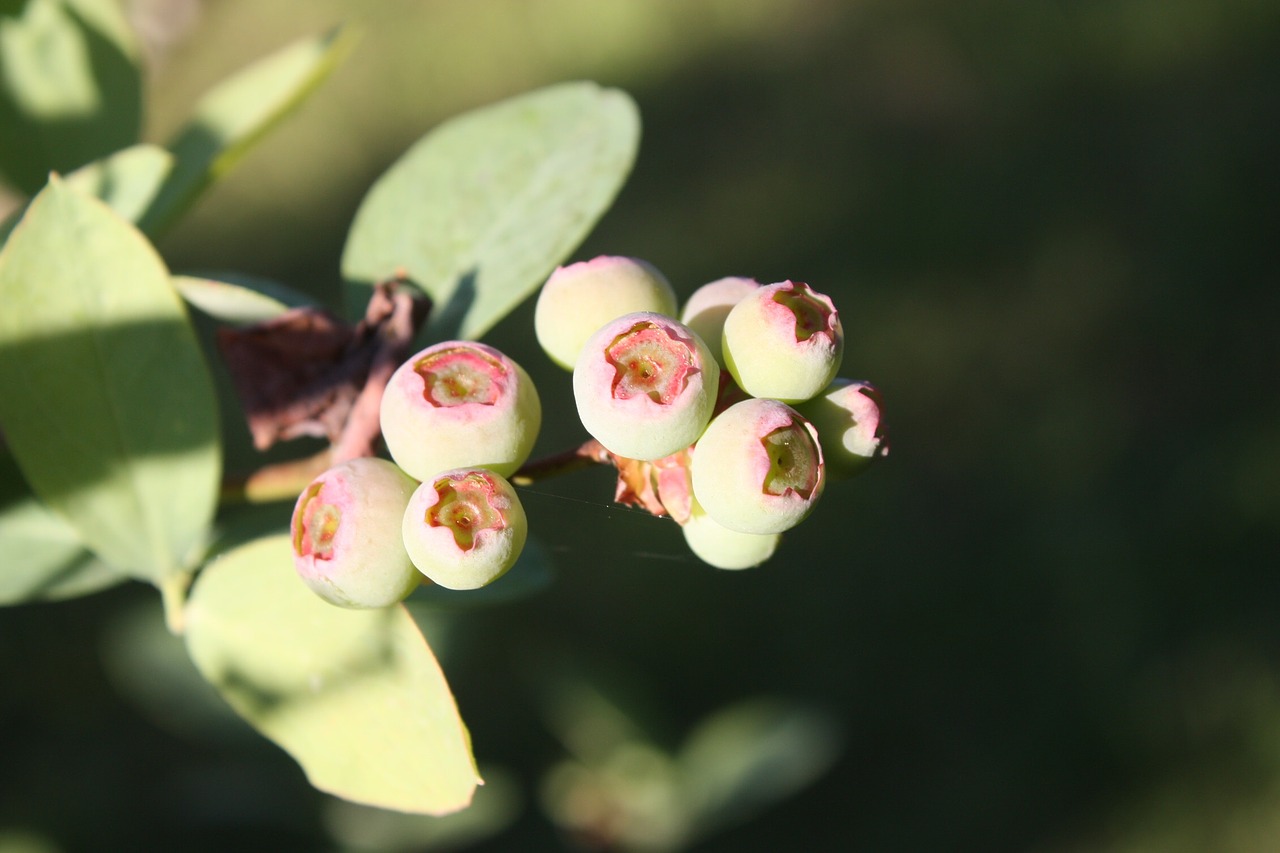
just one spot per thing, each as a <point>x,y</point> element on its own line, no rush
<point>110,410</point>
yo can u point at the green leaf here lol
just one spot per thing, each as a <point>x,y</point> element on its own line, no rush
<point>148,666</point>
<point>752,754</point>
<point>127,180</point>
<point>48,561</point>
<point>363,828</point>
<point>479,211</point>
<point>236,114</point>
<point>109,407</point>
<point>70,89</point>
<point>247,300</point>
<point>355,696</point>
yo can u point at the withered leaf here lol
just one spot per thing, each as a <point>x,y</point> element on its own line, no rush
<point>307,372</point>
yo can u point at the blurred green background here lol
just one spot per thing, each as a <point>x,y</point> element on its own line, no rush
<point>1047,622</point>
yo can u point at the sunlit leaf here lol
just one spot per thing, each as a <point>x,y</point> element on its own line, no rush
<point>355,696</point>
<point>108,407</point>
<point>70,90</point>
<point>363,828</point>
<point>246,300</point>
<point>236,114</point>
<point>127,180</point>
<point>481,209</point>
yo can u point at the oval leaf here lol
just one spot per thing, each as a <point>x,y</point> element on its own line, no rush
<point>247,300</point>
<point>236,114</point>
<point>49,563</point>
<point>355,696</point>
<point>361,828</point>
<point>108,407</point>
<point>127,180</point>
<point>479,212</point>
<point>70,89</point>
<point>754,753</point>
<point>149,667</point>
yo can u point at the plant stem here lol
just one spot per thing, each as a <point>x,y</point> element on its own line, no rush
<point>590,452</point>
<point>281,481</point>
<point>173,594</point>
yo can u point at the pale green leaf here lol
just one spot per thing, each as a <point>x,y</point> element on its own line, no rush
<point>245,300</point>
<point>356,828</point>
<point>236,114</point>
<point>46,560</point>
<point>355,696</point>
<point>479,211</point>
<point>127,180</point>
<point>752,754</point>
<point>148,666</point>
<point>109,407</point>
<point>70,89</point>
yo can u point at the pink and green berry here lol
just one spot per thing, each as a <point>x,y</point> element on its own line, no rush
<point>345,534</point>
<point>464,528</point>
<point>848,416</point>
<point>758,467</point>
<point>580,298</point>
<point>707,307</point>
<point>719,546</point>
<point>645,386</point>
<point>783,341</point>
<point>456,404</point>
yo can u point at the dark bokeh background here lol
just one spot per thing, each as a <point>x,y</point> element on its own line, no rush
<point>1049,621</point>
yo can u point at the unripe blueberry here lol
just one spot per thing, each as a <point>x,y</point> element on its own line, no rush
<point>346,534</point>
<point>847,416</point>
<point>758,467</point>
<point>579,298</point>
<point>709,305</point>
<point>645,386</point>
<point>460,404</point>
<point>464,528</point>
<point>783,341</point>
<point>723,548</point>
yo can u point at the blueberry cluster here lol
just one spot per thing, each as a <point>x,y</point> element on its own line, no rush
<point>730,419</point>
<point>735,406</point>
<point>458,418</point>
